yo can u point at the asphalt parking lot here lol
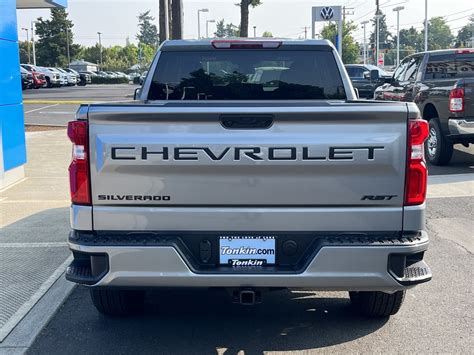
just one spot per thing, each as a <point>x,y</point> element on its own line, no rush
<point>437,317</point>
<point>57,106</point>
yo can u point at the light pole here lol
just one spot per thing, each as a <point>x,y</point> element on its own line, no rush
<point>254,31</point>
<point>426,25</point>
<point>199,21</point>
<point>27,43</point>
<point>398,9</point>
<point>378,16</point>
<point>207,26</point>
<point>100,49</point>
<point>364,24</point>
<point>67,47</point>
<point>33,41</point>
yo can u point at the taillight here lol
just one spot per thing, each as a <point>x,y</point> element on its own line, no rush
<point>245,44</point>
<point>79,176</point>
<point>456,100</point>
<point>417,173</point>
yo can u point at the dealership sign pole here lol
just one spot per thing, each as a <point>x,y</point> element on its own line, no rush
<point>328,13</point>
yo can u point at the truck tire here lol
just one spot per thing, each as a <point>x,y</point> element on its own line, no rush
<point>117,302</point>
<point>437,148</point>
<point>376,303</point>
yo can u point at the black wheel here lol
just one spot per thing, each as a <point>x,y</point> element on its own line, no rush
<point>376,303</point>
<point>437,148</point>
<point>48,83</point>
<point>117,302</point>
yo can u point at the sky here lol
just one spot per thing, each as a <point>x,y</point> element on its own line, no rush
<point>117,19</point>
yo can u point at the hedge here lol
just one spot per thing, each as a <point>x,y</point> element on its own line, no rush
<point>100,80</point>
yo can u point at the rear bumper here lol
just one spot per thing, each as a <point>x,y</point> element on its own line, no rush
<point>344,264</point>
<point>461,127</point>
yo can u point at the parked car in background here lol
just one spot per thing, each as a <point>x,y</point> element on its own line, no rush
<point>62,75</point>
<point>441,83</point>
<point>82,79</point>
<point>142,77</point>
<point>53,78</point>
<point>90,73</point>
<point>39,79</point>
<point>26,79</point>
<point>71,77</point>
<point>366,78</point>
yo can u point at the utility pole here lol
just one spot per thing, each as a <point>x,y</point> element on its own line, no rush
<point>27,44</point>
<point>100,50</point>
<point>346,11</point>
<point>377,17</point>
<point>426,25</point>
<point>199,21</point>
<point>254,31</point>
<point>364,24</point>
<point>305,28</point>
<point>33,41</point>
<point>398,9</point>
<point>67,47</point>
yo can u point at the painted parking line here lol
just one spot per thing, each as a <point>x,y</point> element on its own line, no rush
<point>41,108</point>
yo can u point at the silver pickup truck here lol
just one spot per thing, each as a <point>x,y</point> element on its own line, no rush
<point>248,165</point>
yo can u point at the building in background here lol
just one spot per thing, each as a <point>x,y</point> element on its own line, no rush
<point>82,65</point>
<point>12,128</point>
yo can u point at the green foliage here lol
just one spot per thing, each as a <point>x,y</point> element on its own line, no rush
<point>464,37</point>
<point>350,49</point>
<point>23,45</point>
<point>439,34</point>
<point>224,30</point>
<point>118,58</point>
<point>267,34</point>
<point>147,31</point>
<point>51,47</point>
<point>411,39</point>
<point>385,37</point>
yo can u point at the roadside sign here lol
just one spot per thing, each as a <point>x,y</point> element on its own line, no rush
<point>381,60</point>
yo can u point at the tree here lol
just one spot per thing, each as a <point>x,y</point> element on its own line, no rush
<point>51,47</point>
<point>465,34</point>
<point>411,39</point>
<point>23,45</point>
<point>244,15</point>
<point>385,37</point>
<point>147,31</point>
<point>267,34</point>
<point>226,30</point>
<point>350,49</point>
<point>439,34</point>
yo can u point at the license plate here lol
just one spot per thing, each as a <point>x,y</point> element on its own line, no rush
<point>247,251</point>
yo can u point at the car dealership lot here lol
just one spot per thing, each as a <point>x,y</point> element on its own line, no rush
<point>436,317</point>
<point>57,106</point>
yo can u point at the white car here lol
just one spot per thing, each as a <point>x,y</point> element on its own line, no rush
<point>61,74</point>
<point>71,78</point>
<point>53,78</point>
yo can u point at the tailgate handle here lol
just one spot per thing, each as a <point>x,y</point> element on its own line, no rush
<point>246,121</point>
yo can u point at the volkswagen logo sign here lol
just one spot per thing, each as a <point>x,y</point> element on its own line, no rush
<point>327,13</point>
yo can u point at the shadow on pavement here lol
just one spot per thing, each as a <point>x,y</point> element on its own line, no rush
<point>205,321</point>
<point>461,163</point>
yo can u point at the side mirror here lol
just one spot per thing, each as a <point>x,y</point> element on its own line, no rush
<point>374,75</point>
<point>137,93</point>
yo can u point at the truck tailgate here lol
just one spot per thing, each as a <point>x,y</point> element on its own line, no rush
<point>347,157</point>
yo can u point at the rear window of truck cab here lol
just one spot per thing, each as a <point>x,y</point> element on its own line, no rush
<point>247,75</point>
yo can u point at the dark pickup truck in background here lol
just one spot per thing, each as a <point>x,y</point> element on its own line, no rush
<point>366,78</point>
<point>441,83</point>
